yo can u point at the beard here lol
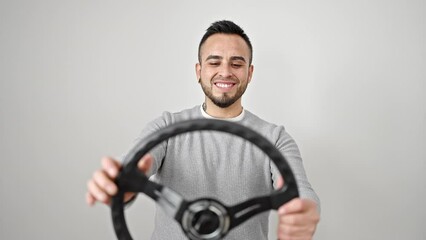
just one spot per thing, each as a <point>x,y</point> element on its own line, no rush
<point>225,100</point>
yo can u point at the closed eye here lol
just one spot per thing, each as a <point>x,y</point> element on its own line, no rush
<point>214,63</point>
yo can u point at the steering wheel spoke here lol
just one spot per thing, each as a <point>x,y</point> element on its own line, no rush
<point>243,211</point>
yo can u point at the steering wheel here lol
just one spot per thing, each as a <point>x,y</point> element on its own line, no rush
<point>204,218</point>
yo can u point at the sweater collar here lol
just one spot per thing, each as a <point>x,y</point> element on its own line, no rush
<point>234,119</point>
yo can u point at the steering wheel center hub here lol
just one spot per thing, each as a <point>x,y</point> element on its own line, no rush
<point>206,219</point>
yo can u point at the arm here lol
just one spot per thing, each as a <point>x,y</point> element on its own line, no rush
<point>298,218</point>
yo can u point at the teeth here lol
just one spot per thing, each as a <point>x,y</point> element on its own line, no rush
<point>224,85</point>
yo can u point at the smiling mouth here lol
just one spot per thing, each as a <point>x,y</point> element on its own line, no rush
<point>224,85</point>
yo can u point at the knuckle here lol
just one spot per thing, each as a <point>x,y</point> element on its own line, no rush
<point>106,163</point>
<point>316,218</point>
<point>105,159</point>
<point>300,204</point>
<point>99,176</point>
<point>101,196</point>
<point>92,187</point>
<point>290,230</point>
<point>291,220</point>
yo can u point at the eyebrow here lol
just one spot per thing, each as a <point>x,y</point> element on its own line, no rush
<point>217,57</point>
<point>238,58</point>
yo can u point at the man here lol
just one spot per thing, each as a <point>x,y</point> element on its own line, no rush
<point>213,164</point>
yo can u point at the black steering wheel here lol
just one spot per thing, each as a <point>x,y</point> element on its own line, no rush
<point>204,218</point>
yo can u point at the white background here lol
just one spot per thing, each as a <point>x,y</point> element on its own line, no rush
<point>80,79</point>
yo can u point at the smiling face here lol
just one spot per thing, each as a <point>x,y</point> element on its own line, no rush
<point>224,71</point>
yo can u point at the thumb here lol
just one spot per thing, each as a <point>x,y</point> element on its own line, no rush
<point>145,163</point>
<point>280,182</point>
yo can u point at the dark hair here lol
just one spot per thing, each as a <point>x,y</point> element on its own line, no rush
<point>226,27</point>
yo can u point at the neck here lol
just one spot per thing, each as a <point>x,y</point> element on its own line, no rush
<point>229,112</point>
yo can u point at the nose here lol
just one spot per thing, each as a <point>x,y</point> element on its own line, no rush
<point>225,71</point>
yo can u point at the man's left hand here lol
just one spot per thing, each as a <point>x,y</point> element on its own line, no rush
<point>298,219</point>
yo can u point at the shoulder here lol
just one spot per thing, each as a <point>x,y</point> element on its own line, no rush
<point>260,125</point>
<point>277,134</point>
<point>168,118</point>
<point>165,119</point>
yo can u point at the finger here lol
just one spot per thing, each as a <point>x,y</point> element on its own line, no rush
<point>111,166</point>
<point>128,196</point>
<point>292,219</point>
<point>296,225</point>
<point>103,181</point>
<point>280,182</point>
<point>291,232</point>
<point>90,200</point>
<point>145,163</point>
<point>97,193</point>
<point>296,205</point>
<point>283,236</point>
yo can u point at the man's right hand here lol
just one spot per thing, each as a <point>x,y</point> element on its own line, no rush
<point>101,187</point>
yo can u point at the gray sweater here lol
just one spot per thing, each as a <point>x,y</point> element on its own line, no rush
<point>221,166</point>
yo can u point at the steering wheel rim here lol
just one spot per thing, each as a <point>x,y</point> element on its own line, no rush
<point>130,179</point>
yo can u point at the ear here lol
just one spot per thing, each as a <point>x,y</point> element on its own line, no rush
<point>250,73</point>
<point>198,71</point>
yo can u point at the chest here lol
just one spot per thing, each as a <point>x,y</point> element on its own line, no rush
<point>216,165</point>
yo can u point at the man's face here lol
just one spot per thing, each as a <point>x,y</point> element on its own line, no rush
<point>224,71</point>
